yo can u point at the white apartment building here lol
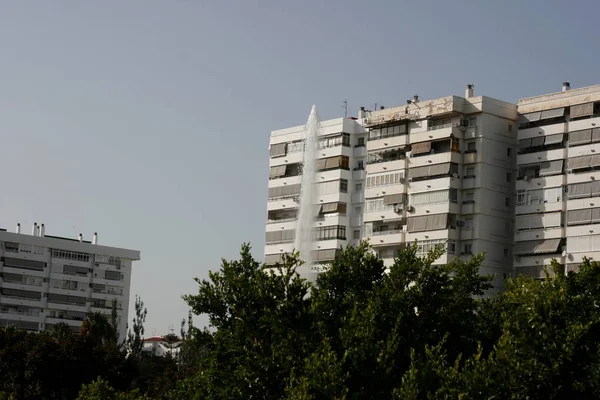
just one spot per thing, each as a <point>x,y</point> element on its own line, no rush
<point>404,174</point>
<point>338,179</point>
<point>46,279</point>
<point>558,186</point>
<point>442,171</point>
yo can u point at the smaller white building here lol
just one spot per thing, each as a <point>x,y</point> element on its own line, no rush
<point>159,346</point>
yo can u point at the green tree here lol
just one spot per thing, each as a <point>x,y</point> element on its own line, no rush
<point>135,337</point>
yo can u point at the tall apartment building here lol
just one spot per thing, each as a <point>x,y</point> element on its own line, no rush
<point>558,186</point>
<point>338,179</point>
<point>46,279</point>
<point>410,173</point>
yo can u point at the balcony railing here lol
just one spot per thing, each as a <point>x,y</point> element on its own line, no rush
<point>443,126</point>
<point>277,221</point>
<point>25,313</point>
<point>391,232</point>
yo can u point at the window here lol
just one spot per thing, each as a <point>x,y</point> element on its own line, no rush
<point>334,141</point>
<point>453,195</point>
<point>424,246</point>
<point>469,198</point>
<point>358,187</point>
<point>11,247</point>
<point>71,255</point>
<point>386,132</point>
<point>508,152</point>
<point>508,177</point>
<point>356,234</point>
<point>468,248</point>
<point>330,232</point>
<point>510,128</point>
<point>471,147</point>
<point>437,197</point>
<point>506,253</point>
<point>360,165</point>
<point>468,223</point>
<point>387,179</point>
<point>344,185</point>
<point>507,201</point>
<point>470,172</point>
<point>361,142</point>
<point>451,247</point>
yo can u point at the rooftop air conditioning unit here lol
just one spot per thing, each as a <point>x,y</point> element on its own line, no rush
<point>398,208</point>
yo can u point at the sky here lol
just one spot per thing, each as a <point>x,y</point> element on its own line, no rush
<point>148,121</point>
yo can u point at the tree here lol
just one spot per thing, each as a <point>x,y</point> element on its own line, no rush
<point>101,390</point>
<point>97,327</point>
<point>135,337</point>
<point>351,337</point>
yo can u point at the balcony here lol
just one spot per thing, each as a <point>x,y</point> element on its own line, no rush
<point>437,132</point>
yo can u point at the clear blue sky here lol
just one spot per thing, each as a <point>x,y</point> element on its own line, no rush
<point>148,121</point>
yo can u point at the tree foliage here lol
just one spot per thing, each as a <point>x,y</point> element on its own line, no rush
<point>414,330</point>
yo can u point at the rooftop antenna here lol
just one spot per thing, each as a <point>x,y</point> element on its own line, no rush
<point>345,107</point>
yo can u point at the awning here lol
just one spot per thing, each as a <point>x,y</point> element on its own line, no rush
<point>438,221</point>
<point>325,254</point>
<point>579,190</point>
<point>277,171</point>
<point>595,215</point>
<point>582,110</point>
<point>272,259</point>
<point>278,150</point>
<point>331,207</point>
<point>333,162</point>
<point>579,217</point>
<point>420,148</point>
<point>553,139</point>
<point>439,169</point>
<point>551,168</point>
<point>317,209</point>
<point>417,224</point>
<point>554,113</point>
<point>418,172</point>
<point>580,162</point>
<point>536,247</point>
<point>595,135</point>
<point>580,137</point>
<point>524,144</point>
<point>393,199</point>
<point>531,117</point>
<point>321,163</point>
<point>595,161</point>
<point>537,141</point>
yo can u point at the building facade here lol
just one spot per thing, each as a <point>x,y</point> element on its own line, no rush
<point>46,279</point>
<point>338,179</point>
<point>518,182</point>
<point>558,184</point>
<point>413,173</point>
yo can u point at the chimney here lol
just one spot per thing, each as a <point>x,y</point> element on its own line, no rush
<point>469,91</point>
<point>80,237</point>
<point>361,113</point>
<point>34,229</point>
<point>566,86</point>
<point>42,231</point>
<point>415,98</point>
<point>18,228</point>
<point>95,238</point>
